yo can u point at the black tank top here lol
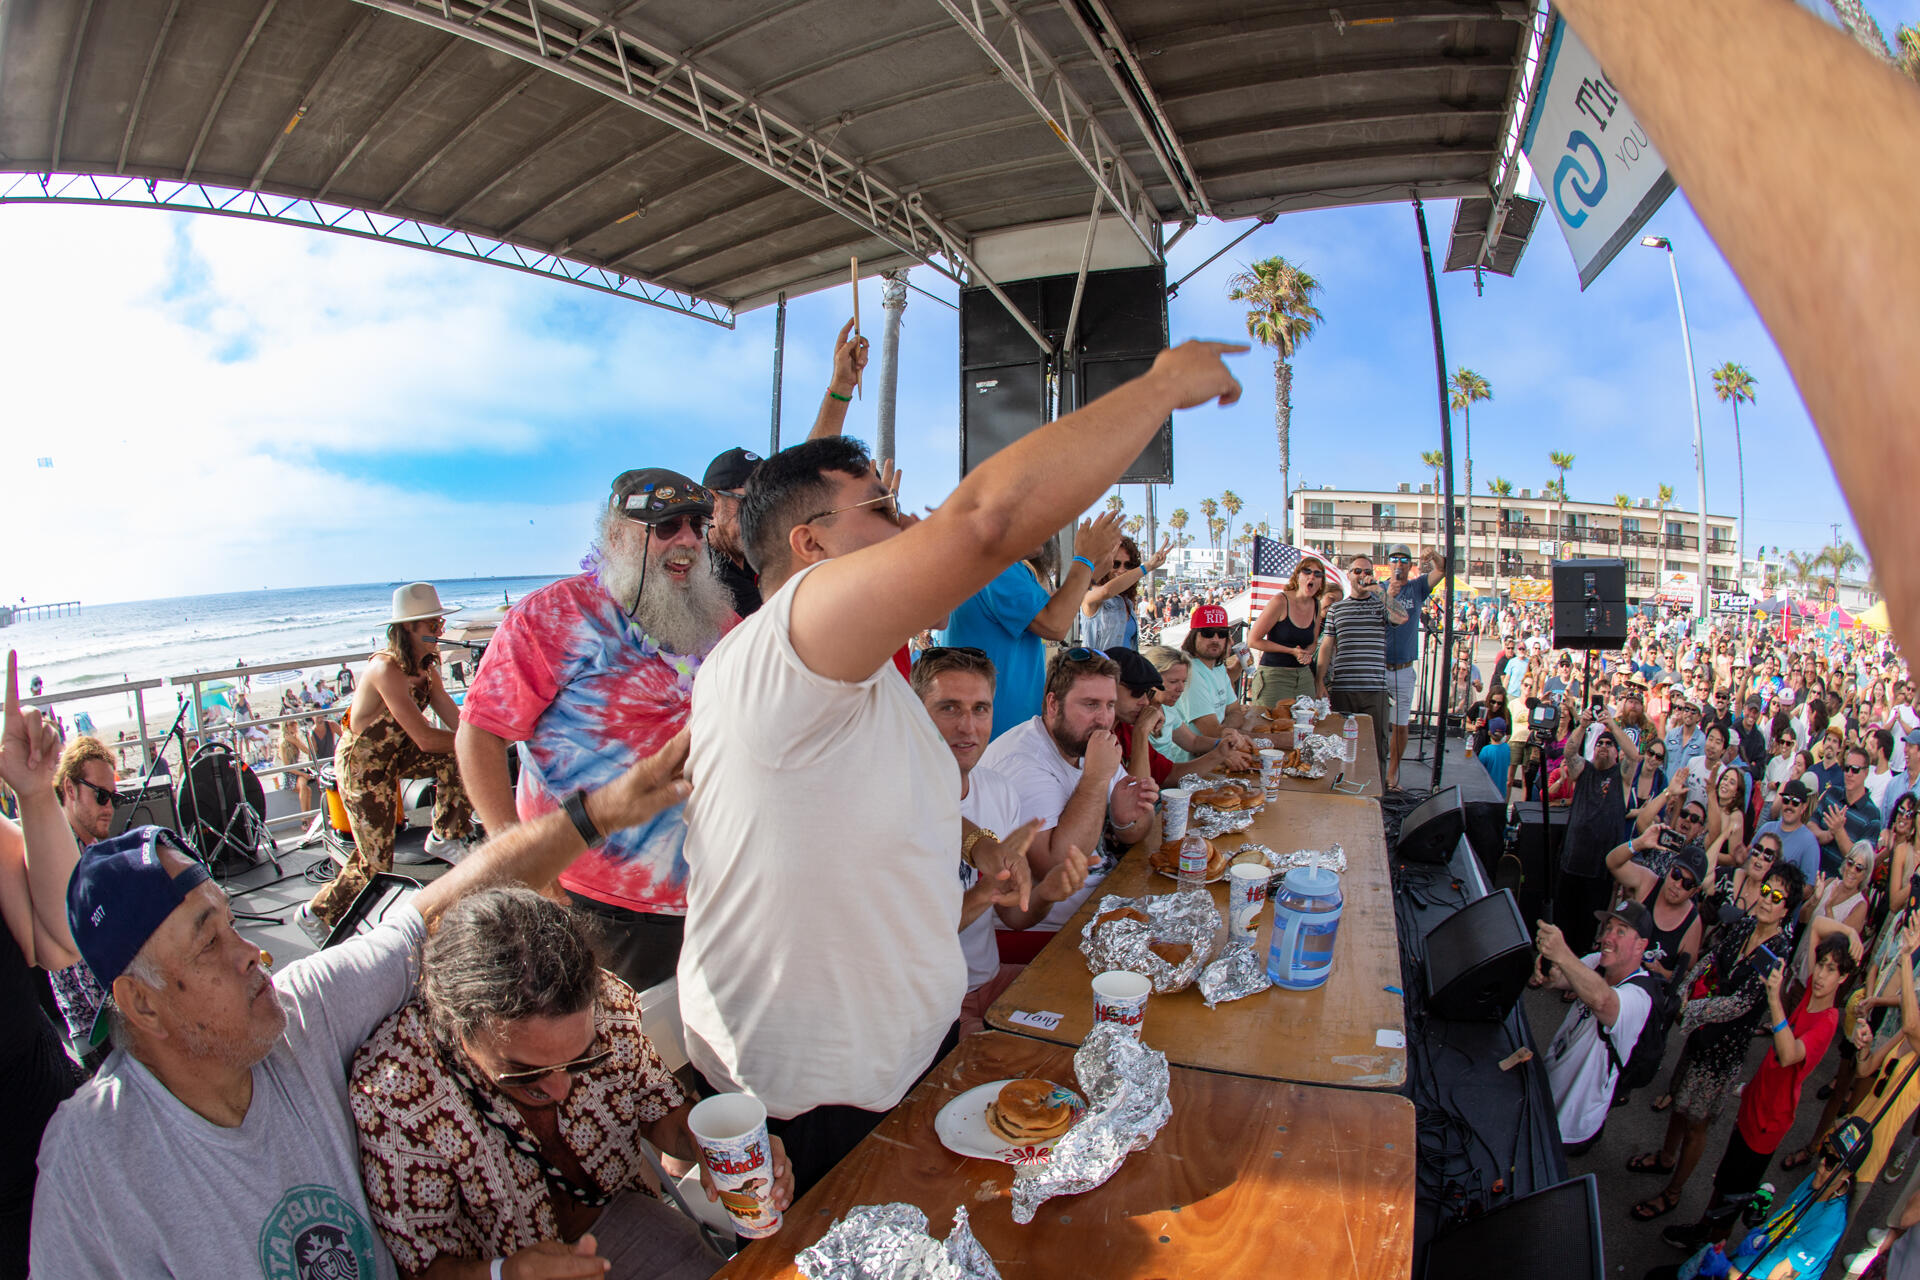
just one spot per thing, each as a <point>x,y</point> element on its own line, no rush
<point>1664,948</point>
<point>1285,632</point>
<point>36,1075</point>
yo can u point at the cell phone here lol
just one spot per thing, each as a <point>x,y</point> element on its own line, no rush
<point>1672,840</point>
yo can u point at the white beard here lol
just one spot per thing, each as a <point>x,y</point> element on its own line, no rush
<point>685,618</point>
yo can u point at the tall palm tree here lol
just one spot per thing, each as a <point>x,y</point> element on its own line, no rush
<point>1116,504</point>
<point>1132,526</point>
<point>1216,529</point>
<point>1209,508</point>
<point>1731,385</point>
<point>1280,315</point>
<point>1502,489</point>
<point>1561,462</point>
<point>1623,504</point>
<point>1665,495</point>
<point>1230,503</point>
<point>1837,561</point>
<point>1803,568</point>
<point>1435,459</point>
<point>1468,388</point>
<point>1552,490</point>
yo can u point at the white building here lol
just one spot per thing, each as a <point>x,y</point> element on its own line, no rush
<point>1518,534</point>
<point>1196,562</point>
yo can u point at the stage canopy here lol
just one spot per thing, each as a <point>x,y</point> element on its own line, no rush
<point>709,156</point>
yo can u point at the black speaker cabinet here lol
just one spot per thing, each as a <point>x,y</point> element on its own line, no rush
<point>1431,831</point>
<point>1555,1231</point>
<point>1590,604</point>
<point>152,807</point>
<point>1478,960</point>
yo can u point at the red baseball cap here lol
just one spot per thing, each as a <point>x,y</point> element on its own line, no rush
<point>1208,615</point>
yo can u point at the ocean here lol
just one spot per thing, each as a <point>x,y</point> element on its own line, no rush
<point>143,639</point>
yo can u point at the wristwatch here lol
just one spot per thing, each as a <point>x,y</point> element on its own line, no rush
<point>576,809</point>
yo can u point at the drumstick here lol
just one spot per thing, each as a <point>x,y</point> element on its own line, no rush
<point>855,273</point>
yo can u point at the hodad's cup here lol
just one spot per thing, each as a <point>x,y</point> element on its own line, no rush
<point>1178,802</point>
<point>731,1129</point>
<point>1246,894</point>
<point>1271,760</point>
<point>1120,996</point>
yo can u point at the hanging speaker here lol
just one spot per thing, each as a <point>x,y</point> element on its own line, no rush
<point>1432,830</point>
<point>1478,960</point>
<point>1555,1231</point>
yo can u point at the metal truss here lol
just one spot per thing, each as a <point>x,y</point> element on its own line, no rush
<point>668,86</point>
<point>1527,69</point>
<point>200,197</point>
<point>1040,81</point>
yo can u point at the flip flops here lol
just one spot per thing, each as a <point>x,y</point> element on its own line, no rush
<point>1655,1207</point>
<point>1649,1162</point>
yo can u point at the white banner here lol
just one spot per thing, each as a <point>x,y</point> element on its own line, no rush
<point>1678,586</point>
<point>1732,602</point>
<point>1600,174</point>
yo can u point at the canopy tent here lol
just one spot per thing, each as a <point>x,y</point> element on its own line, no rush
<point>1875,618</point>
<point>1840,618</point>
<point>1770,606</point>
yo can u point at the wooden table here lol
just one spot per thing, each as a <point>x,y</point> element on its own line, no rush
<point>1328,1036</point>
<point>1248,1177</point>
<point>1365,768</point>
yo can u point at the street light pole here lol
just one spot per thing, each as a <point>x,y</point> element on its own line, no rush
<point>1703,595</point>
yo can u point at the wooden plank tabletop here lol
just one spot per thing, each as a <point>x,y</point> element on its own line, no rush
<point>1328,1036</point>
<point>1247,1177</point>
<point>1365,768</point>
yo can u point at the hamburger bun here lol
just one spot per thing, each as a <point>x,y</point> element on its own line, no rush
<point>1249,857</point>
<point>1167,857</point>
<point>1217,862</point>
<point>1123,913</point>
<point>1174,953</point>
<point>1026,1112</point>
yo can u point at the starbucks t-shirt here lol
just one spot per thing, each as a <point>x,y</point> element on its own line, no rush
<point>134,1183</point>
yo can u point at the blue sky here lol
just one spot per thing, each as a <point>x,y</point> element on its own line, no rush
<point>233,405</point>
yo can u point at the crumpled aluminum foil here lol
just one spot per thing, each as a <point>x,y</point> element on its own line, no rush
<point>1240,971</point>
<point>1314,709</point>
<point>1211,822</point>
<point>1261,744</point>
<point>1333,858</point>
<point>1125,1084</point>
<point>1189,917</point>
<point>891,1242</point>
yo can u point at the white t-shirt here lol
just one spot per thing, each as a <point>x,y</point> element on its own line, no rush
<point>822,959</point>
<point>1877,783</point>
<point>1026,756</point>
<point>991,803</point>
<point>1579,1070</point>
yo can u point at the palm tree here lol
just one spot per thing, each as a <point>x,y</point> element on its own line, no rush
<point>1132,526</point>
<point>1501,488</point>
<point>1280,315</point>
<point>1435,459</point>
<point>1468,387</point>
<point>1178,521</point>
<point>1555,489</point>
<point>1732,384</point>
<point>1209,508</point>
<point>1216,529</point>
<point>1230,503</point>
<point>1116,504</point>
<point>1840,559</point>
<point>1665,494</point>
<point>1561,462</point>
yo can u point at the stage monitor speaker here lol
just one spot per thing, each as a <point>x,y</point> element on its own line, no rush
<point>1003,372</point>
<point>1478,960</point>
<point>1431,832</point>
<point>152,807</point>
<point>1546,1233</point>
<point>1590,604</point>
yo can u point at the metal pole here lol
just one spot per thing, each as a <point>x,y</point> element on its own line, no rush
<point>1701,594</point>
<point>893,301</point>
<point>1446,450</point>
<point>779,356</point>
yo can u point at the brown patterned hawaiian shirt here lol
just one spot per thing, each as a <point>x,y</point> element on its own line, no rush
<point>442,1180</point>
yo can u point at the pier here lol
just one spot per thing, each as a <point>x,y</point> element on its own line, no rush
<point>12,613</point>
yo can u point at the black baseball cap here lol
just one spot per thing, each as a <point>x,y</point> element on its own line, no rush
<point>653,494</point>
<point>1632,914</point>
<point>1139,675</point>
<point>1693,858</point>
<point>1796,790</point>
<point>731,470</point>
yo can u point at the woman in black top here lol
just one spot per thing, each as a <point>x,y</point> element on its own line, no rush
<point>1285,634</point>
<point>36,1074</point>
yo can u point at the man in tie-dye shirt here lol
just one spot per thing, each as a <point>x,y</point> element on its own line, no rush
<point>591,674</point>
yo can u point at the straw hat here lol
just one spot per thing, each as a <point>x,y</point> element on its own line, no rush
<point>417,601</point>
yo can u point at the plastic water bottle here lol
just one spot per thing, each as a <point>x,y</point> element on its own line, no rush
<point>1193,861</point>
<point>1306,922</point>
<point>1349,740</point>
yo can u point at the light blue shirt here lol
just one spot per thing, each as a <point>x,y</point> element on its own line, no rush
<point>1680,751</point>
<point>994,620</point>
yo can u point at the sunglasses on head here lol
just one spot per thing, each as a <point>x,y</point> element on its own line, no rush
<point>101,795</point>
<point>1080,653</point>
<point>534,1075</point>
<point>1211,633</point>
<point>934,651</point>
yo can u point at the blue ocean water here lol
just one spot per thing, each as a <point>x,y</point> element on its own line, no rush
<point>142,639</point>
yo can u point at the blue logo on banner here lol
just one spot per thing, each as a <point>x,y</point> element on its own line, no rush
<point>1588,187</point>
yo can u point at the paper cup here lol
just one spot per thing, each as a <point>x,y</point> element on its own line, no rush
<point>731,1130</point>
<point>1173,818</point>
<point>1121,997</point>
<point>1270,759</point>
<point>1246,894</point>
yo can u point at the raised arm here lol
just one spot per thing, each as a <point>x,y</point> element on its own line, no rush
<point>1093,543</point>
<point>1101,592</point>
<point>38,856</point>
<point>849,358</point>
<point>853,611</point>
<point>1629,873</point>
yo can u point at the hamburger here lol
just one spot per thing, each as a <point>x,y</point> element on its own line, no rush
<point>1174,953</point>
<point>1029,1111</point>
<point>1123,913</point>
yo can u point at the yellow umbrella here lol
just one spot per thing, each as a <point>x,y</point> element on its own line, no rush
<point>1876,618</point>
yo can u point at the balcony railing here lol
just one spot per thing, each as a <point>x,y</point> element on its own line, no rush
<point>1523,531</point>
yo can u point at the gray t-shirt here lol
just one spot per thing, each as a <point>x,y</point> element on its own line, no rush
<point>134,1183</point>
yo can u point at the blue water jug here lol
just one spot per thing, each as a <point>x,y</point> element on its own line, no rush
<point>1306,919</point>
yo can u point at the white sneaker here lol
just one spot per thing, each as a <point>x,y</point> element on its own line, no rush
<point>316,929</point>
<point>449,851</point>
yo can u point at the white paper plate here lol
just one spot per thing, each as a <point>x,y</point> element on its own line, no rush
<point>962,1126</point>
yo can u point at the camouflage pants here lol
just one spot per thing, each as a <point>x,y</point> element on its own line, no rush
<point>370,768</point>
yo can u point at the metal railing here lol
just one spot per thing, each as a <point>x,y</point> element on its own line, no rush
<point>1524,530</point>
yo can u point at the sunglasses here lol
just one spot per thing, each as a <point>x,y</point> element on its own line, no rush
<point>1656,755</point>
<point>889,512</point>
<point>1080,653</point>
<point>101,795</point>
<point>1211,633</point>
<point>934,651</point>
<point>578,1067</point>
<point>1686,882</point>
<point>1855,768</point>
<point>1773,893</point>
<point>671,527</point>
<point>1794,800</point>
<point>1318,573</point>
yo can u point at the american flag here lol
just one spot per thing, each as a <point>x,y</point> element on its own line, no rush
<point>1273,563</point>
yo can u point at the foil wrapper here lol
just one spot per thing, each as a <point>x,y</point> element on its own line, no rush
<point>1333,858</point>
<point>1262,744</point>
<point>1314,709</point>
<point>891,1242</point>
<point>1211,822</point>
<point>1189,917</point>
<point>1240,971</point>
<point>1125,1084</point>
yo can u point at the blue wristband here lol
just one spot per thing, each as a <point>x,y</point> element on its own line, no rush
<point>1083,560</point>
<point>1779,1026</point>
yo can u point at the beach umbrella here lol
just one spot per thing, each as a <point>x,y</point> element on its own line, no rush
<point>273,679</point>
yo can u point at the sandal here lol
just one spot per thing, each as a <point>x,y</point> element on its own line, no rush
<point>1661,1103</point>
<point>1798,1159</point>
<point>1656,1207</point>
<point>1649,1162</point>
